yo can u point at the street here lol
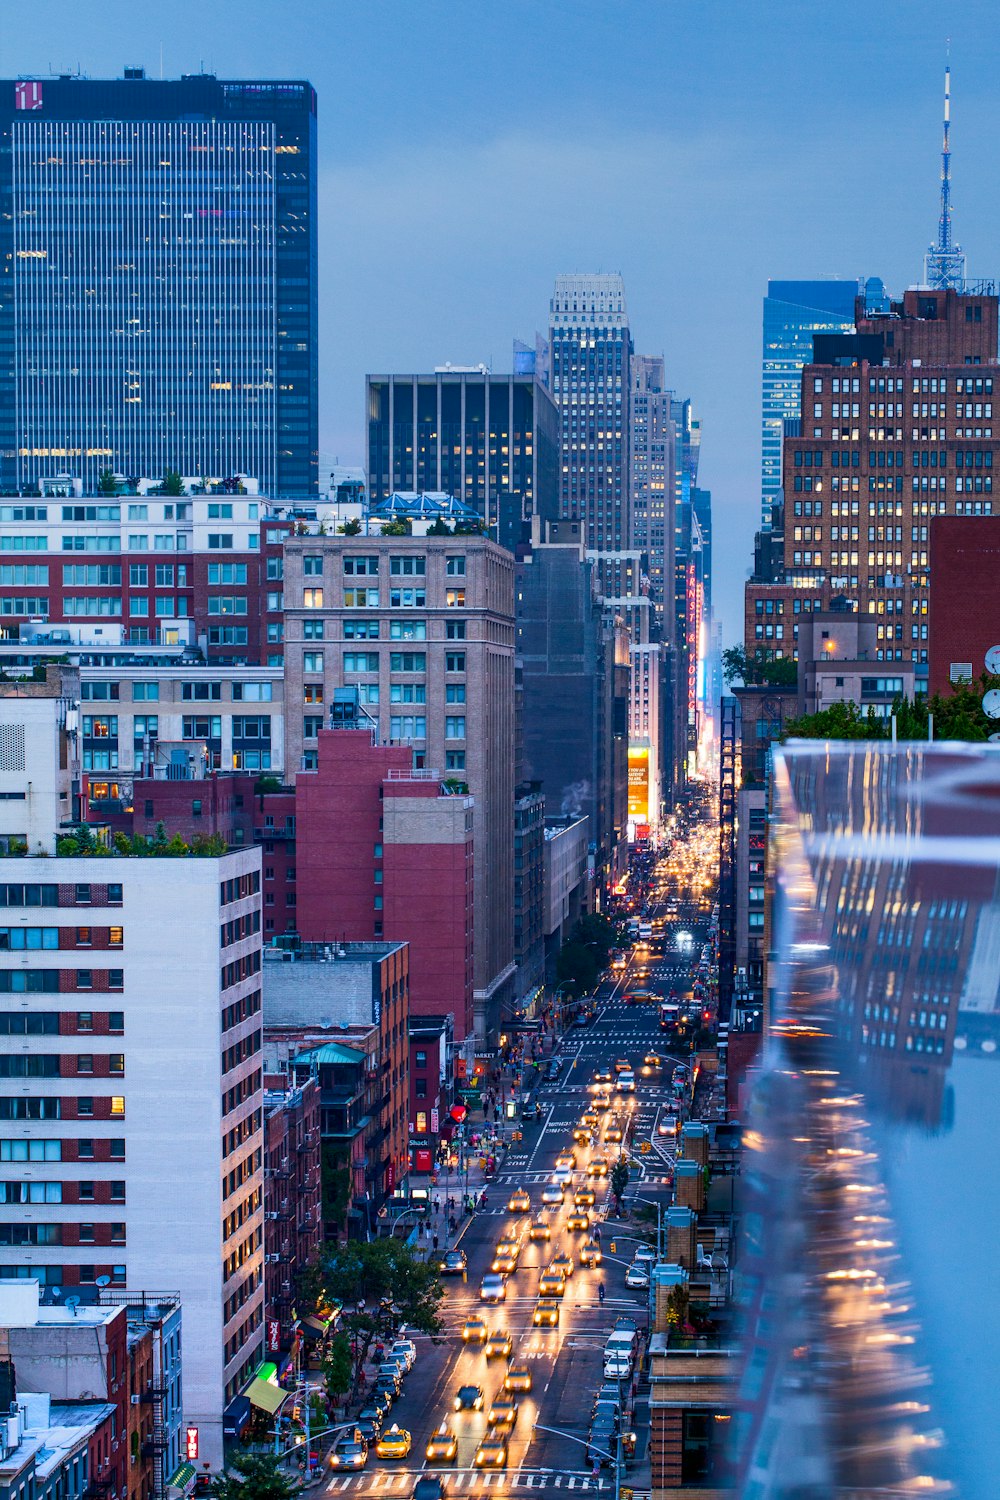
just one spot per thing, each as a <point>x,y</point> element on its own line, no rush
<point>565,1362</point>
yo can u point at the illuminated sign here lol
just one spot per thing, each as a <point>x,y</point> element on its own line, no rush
<point>191,1444</point>
<point>638,784</point>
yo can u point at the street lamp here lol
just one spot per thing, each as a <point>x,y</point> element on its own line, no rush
<point>615,1458</point>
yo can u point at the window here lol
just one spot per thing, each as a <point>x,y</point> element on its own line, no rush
<point>420,1088</point>
<point>85,1150</point>
<point>312,565</point>
<point>407,630</point>
<point>356,598</point>
<point>117,1106</point>
<point>223,572</point>
<point>407,598</point>
<point>145,692</point>
<point>455,567</point>
<point>360,661</point>
<point>33,1150</point>
<point>84,1062</point>
<point>408,661</point>
<point>454,630</point>
<point>218,540</point>
<point>85,981</point>
<point>116,1149</point>
<point>454,661</point>
<point>116,1018</point>
<point>84,1105</point>
<point>454,727</point>
<point>407,567</point>
<point>117,1192</point>
<point>408,692</point>
<point>311,726</point>
<point>252,692</point>
<point>408,727</point>
<point>360,567</point>
<point>455,692</point>
<point>454,760</point>
<point>116,937</point>
<point>360,630</point>
<point>84,1019</point>
<point>312,661</point>
<point>116,1063</point>
<point>455,598</point>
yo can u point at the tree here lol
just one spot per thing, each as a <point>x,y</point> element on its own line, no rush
<point>337,1367</point>
<point>253,1476</point>
<point>172,483</point>
<point>397,527</point>
<point>619,1181</point>
<point>841,721</point>
<point>106,484</point>
<point>439,527</point>
<point>576,965</point>
<point>350,528</point>
<point>758,670</point>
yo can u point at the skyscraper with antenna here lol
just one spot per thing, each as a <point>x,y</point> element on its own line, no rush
<point>944,263</point>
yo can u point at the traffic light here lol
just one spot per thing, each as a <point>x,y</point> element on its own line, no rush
<point>612,1247</point>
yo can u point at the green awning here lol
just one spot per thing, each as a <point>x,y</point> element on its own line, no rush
<point>182,1478</point>
<point>263,1394</point>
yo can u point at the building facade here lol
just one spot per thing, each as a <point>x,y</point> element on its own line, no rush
<point>423,628</point>
<point>965,566</point>
<point>162,306</point>
<point>590,352</point>
<point>293,1203</point>
<point>490,440</point>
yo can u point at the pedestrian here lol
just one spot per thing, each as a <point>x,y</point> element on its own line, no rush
<point>600,1292</point>
<point>435,1240</point>
<point>597,1234</point>
<point>437,1203</point>
<point>452,1223</point>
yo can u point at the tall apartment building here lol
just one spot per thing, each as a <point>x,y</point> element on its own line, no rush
<point>590,352</point>
<point>152,1047</point>
<point>897,428</point>
<point>653,488</point>
<point>423,627</point>
<point>793,312</point>
<point>161,307</point>
<point>490,440</point>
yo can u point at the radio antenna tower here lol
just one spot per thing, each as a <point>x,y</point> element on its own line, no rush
<point>944,263</point>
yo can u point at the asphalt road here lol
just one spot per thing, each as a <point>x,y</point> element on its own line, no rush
<point>566,1361</point>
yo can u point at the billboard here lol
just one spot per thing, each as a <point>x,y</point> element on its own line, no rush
<point>638,784</point>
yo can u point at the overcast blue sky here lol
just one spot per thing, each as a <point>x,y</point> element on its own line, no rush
<point>472,149</point>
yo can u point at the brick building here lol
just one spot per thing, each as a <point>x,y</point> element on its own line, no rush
<point>965,566</point>
<point>293,1219</point>
<point>896,429</point>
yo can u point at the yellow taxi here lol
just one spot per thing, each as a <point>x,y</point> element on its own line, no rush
<point>540,1229</point>
<point>499,1345</point>
<point>613,1134</point>
<point>584,1197</point>
<point>579,1221</point>
<point>502,1412</point>
<point>581,1134</point>
<point>394,1443</point>
<point>509,1245</point>
<point>443,1446</point>
<point>474,1331</point>
<point>622,1065</point>
<point>491,1454</point>
<point>551,1284</point>
<point>589,1121</point>
<point>590,1253</point>
<point>546,1314</point>
<point>563,1264</point>
<point>504,1262</point>
<point>517,1378</point>
<point>566,1160</point>
<point>597,1168</point>
<point>519,1202</point>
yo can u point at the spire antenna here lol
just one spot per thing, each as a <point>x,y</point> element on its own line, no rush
<point>944,263</point>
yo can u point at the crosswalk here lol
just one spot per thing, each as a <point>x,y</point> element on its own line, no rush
<point>468,1481</point>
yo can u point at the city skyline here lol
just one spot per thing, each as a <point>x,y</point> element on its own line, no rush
<point>470,283</point>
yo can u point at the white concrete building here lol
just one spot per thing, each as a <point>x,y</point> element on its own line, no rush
<point>39,764</point>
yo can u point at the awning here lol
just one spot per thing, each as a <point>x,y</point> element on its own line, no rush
<point>182,1479</point>
<point>266,1396</point>
<point>312,1327</point>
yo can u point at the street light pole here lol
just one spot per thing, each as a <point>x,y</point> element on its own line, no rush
<point>615,1458</point>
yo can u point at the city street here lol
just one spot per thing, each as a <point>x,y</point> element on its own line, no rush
<point>566,1361</point>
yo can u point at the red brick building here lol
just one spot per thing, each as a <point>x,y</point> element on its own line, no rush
<point>965,566</point>
<point>293,1219</point>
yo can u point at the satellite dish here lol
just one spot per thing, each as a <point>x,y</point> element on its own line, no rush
<point>993,661</point>
<point>72,1303</point>
<point>106,1280</point>
<point>991,703</point>
<point>56,1291</point>
<point>995,738</point>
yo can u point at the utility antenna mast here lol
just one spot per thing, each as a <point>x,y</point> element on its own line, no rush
<point>944,263</point>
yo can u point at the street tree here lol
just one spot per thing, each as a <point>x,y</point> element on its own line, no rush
<point>619,1181</point>
<point>253,1476</point>
<point>337,1367</point>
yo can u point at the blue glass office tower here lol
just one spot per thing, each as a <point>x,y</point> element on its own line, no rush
<point>158,280</point>
<point>793,312</point>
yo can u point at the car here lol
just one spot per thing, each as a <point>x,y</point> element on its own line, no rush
<point>602,1103</point>
<point>491,1454</point>
<point>626,1082</point>
<point>600,1078</point>
<point>349,1453</point>
<point>646,1254</point>
<point>492,1288</point>
<point>590,1254</point>
<point>517,1378</point>
<point>626,1324</point>
<point>579,1221</point>
<point>581,1134</point>
<point>393,1364</point>
<point>442,1447</point>
<point>613,1134</point>
<point>551,1284</point>
<point>509,1244</point>
<point>546,1313</point>
<point>428,1487</point>
<point>617,1367</point>
<point>475,1331</point>
<point>519,1202</point>
<point>504,1265</point>
<point>502,1412</point>
<point>395,1442</point>
<point>667,1125</point>
<point>377,1406</point>
<point>563,1175</point>
<point>540,1229</point>
<point>469,1398</point>
<point>622,1065</point>
<point>566,1159</point>
<point>652,1061</point>
<point>407,1348</point>
<point>553,1070</point>
<point>552,1192</point>
<point>389,1380</point>
<point>369,1428</point>
<point>584,1197</point>
<point>531,1109</point>
<point>499,1344</point>
<point>637,1276</point>
<point>589,1120</point>
<point>598,1167</point>
<point>562,1263</point>
<point>453,1263</point>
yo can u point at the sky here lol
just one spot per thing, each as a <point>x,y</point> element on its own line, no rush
<point>471,150</point>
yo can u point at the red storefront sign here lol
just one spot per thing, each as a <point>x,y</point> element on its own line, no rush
<point>423,1159</point>
<point>390,1176</point>
<point>191,1444</point>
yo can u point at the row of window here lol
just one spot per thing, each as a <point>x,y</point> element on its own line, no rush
<point>370,630</point>
<point>966,385</point>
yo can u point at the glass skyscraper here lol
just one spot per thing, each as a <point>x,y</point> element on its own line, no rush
<point>158,308</point>
<point>793,312</point>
